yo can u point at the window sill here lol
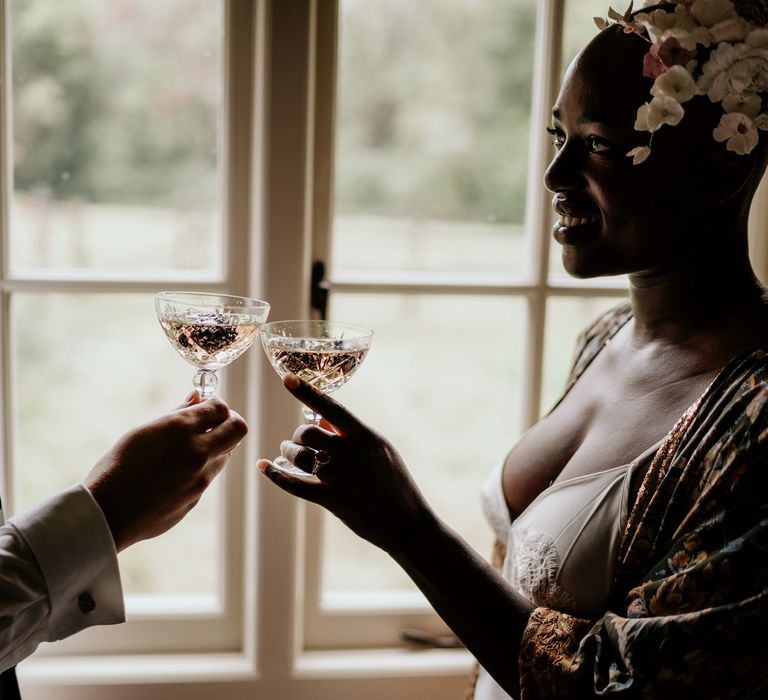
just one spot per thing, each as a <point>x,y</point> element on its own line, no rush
<point>212,668</point>
<point>382,662</point>
<point>136,668</point>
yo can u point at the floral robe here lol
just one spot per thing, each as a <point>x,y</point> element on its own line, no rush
<point>689,612</point>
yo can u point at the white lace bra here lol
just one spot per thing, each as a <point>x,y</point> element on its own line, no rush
<point>561,548</point>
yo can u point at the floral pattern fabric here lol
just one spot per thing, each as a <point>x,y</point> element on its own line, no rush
<point>690,604</point>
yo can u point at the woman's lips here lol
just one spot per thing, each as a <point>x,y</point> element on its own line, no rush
<point>578,218</point>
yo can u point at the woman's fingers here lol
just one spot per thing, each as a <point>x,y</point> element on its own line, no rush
<point>332,411</point>
<point>302,457</point>
<point>308,489</point>
<point>316,437</point>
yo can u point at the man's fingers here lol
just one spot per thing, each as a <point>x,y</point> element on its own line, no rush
<point>207,414</point>
<point>226,435</point>
<point>192,398</point>
<point>332,411</point>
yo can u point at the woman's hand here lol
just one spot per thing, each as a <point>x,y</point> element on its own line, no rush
<point>353,472</point>
<point>365,483</point>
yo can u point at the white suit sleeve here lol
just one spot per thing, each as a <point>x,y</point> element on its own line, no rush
<point>58,574</point>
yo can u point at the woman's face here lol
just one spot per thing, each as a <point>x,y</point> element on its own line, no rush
<point>616,217</point>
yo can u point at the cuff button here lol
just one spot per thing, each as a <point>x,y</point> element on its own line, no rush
<point>85,602</point>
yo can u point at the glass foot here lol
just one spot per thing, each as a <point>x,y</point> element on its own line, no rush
<point>284,465</point>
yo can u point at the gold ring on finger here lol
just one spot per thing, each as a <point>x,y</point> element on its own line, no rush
<point>322,458</point>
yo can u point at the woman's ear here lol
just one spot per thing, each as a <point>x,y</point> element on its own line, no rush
<point>724,176</point>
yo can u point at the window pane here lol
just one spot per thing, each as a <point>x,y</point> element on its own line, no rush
<point>87,368</point>
<point>579,25</point>
<point>442,382</point>
<point>566,318</point>
<point>432,135</point>
<point>116,134</point>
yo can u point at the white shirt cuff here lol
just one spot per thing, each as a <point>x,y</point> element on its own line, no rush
<point>73,545</point>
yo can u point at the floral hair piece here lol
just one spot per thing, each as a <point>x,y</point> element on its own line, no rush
<point>702,47</point>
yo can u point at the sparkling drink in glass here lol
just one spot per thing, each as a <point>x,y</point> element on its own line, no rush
<point>323,353</point>
<point>209,330</point>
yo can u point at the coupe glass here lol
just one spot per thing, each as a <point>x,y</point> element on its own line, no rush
<point>209,330</point>
<point>324,353</point>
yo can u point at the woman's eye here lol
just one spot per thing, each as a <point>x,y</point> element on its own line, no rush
<point>593,144</point>
<point>598,145</point>
<point>558,139</point>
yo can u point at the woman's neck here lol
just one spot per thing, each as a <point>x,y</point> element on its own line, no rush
<point>709,289</point>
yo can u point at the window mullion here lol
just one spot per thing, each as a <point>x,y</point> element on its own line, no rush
<point>325,52</point>
<point>286,176</point>
<point>546,75</point>
<point>236,146</point>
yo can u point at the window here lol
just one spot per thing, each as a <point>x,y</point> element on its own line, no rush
<point>229,145</point>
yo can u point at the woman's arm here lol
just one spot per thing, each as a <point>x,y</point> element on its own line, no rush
<point>471,597</point>
<point>366,484</point>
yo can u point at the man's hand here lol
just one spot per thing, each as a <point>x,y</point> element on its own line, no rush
<point>156,473</point>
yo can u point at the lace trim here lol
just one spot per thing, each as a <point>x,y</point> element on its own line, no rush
<point>534,565</point>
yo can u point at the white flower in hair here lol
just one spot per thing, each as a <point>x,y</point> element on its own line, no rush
<point>746,104</point>
<point>716,48</point>
<point>661,110</point>
<point>734,69</point>
<point>709,13</point>
<point>738,131</point>
<point>730,30</point>
<point>680,25</point>
<point>757,38</point>
<point>676,82</point>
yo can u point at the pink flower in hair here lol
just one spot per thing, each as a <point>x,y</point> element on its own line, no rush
<point>653,66</point>
<point>671,53</point>
<point>664,55</point>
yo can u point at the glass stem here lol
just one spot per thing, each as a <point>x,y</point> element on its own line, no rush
<point>312,417</point>
<point>205,381</point>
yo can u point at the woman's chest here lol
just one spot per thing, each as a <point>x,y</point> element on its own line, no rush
<point>609,418</point>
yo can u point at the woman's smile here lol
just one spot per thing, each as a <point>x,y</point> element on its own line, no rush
<point>574,223</point>
<point>569,231</point>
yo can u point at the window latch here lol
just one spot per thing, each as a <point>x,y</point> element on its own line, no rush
<point>318,299</point>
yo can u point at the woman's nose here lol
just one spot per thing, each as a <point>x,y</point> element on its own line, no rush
<point>563,171</point>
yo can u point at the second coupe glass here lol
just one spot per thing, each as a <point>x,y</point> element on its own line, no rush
<point>324,353</point>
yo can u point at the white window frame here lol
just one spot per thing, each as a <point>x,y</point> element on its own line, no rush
<point>274,637</point>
